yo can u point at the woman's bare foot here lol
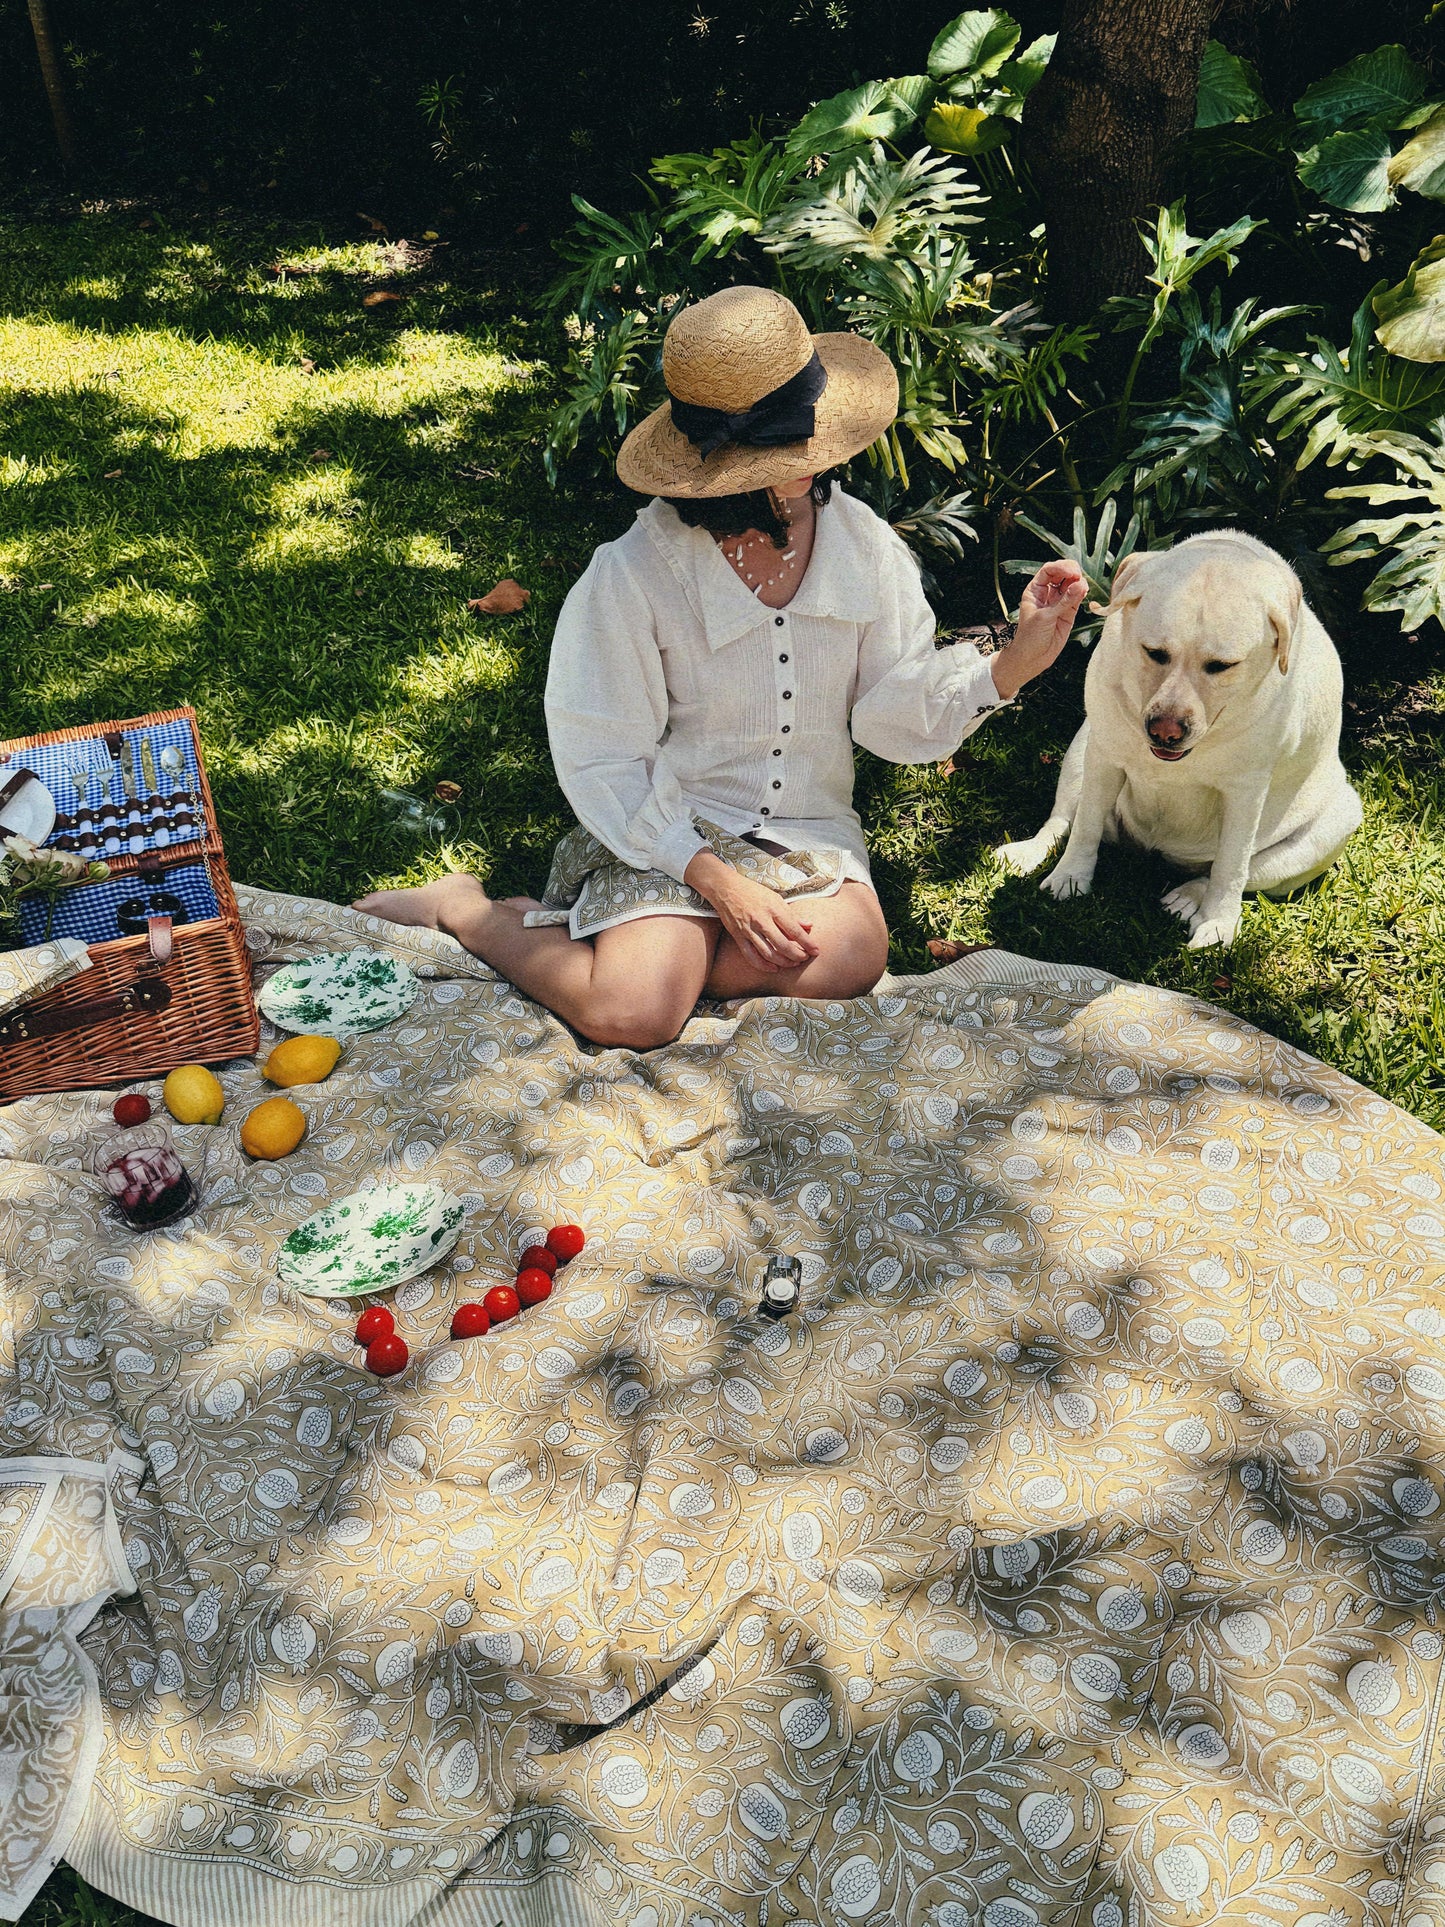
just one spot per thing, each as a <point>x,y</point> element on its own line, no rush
<point>429,908</point>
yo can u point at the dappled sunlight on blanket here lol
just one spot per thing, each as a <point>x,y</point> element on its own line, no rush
<point>1072,1556</point>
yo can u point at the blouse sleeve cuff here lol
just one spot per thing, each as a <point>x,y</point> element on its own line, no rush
<point>978,693</point>
<point>677,846</point>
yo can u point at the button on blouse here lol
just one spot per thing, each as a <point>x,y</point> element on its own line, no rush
<point>662,703</point>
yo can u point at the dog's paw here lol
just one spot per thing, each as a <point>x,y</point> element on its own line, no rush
<point>1209,931</point>
<point>1022,858</point>
<point>1186,900</point>
<point>1064,882</point>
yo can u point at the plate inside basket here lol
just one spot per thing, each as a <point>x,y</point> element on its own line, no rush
<point>338,994</point>
<point>371,1240</point>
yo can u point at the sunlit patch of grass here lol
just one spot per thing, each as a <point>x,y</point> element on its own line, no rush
<point>286,544</point>
<point>309,493</point>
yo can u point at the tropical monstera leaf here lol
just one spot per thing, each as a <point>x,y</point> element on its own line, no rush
<point>1411,317</point>
<point>876,209</point>
<point>728,195</point>
<point>976,43</point>
<point>877,111</point>
<point>1024,72</point>
<point>957,128</point>
<point>1229,89</point>
<point>1333,399</point>
<point>1097,556</point>
<point>1351,170</point>
<point>1374,90</point>
<point>1420,163</point>
<point>1412,579</point>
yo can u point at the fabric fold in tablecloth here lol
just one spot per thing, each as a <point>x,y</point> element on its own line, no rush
<point>1073,1557</point>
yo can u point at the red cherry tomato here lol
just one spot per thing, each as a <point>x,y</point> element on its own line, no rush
<point>564,1241</point>
<point>539,1256</point>
<point>387,1355</point>
<point>501,1303</point>
<point>533,1285</point>
<point>131,1109</point>
<point>470,1321</point>
<point>375,1322</point>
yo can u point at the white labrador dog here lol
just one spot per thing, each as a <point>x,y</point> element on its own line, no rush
<point>1211,734</point>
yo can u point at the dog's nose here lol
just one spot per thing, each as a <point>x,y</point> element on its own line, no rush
<point>1167,731</point>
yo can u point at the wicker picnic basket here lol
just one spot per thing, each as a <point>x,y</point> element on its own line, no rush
<point>132,1015</point>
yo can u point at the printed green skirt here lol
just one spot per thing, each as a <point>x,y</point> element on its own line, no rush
<point>589,889</point>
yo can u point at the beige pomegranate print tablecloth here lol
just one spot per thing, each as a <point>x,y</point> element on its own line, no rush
<point>1074,1556</point>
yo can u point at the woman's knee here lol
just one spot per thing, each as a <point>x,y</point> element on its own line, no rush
<point>645,1019</point>
<point>851,964</point>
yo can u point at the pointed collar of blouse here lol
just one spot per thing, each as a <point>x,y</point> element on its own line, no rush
<point>841,579</point>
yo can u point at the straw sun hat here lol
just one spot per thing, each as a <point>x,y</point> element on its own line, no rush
<point>754,399</point>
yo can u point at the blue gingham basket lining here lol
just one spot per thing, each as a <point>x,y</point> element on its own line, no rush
<point>89,911</point>
<point>54,762</point>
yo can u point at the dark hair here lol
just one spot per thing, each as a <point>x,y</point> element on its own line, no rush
<point>736,514</point>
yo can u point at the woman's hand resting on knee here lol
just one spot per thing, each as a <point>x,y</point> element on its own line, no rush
<point>763,925</point>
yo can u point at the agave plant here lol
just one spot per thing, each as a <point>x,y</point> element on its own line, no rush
<point>1411,538</point>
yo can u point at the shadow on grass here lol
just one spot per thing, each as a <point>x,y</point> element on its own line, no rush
<point>104,274</point>
<point>312,611</point>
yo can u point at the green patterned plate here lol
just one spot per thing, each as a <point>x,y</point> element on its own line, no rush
<point>337,995</point>
<point>371,1240</point>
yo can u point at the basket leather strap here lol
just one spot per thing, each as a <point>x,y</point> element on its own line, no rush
<point>14,784</point>
<point>147,994</point>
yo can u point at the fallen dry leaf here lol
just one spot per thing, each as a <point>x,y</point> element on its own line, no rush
<point>379,298</point>
<point>308,366</point>
<point>944,952</point>
<point>447,791</point>
<point>430,234</point>
<point>113,474</point>
<point>469,472</point>
<point>504,600</point>
<point>949,768</point>
<point>377,227</point>
<point>1221,983</point>
<point>319,455</point>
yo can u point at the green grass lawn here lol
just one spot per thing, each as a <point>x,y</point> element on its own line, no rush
<point>308,490</point>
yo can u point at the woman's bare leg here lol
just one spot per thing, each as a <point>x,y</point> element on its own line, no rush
<point>854,954</point>
<point>633,985</point>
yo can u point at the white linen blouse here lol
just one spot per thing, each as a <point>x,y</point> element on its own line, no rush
<point>673,691</point>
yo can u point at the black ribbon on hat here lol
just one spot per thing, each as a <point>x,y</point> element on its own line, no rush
<point>785,415</point>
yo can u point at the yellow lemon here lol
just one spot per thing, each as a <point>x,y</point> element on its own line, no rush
<point>193,1096</point>
<point>273,1129</point>
<point>301,1060</point>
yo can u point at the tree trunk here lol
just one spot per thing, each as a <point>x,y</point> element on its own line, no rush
<point>53,76</point>
<point>1099,132</point>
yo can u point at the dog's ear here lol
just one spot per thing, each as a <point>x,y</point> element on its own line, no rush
<point>1284,615</point>
<point>1121,595</point>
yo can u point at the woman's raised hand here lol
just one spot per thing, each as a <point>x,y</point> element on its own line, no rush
<point>1047,610</point>
<point>763,925</point>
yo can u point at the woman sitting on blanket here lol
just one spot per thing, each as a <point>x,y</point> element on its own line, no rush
<point>710,674</point>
